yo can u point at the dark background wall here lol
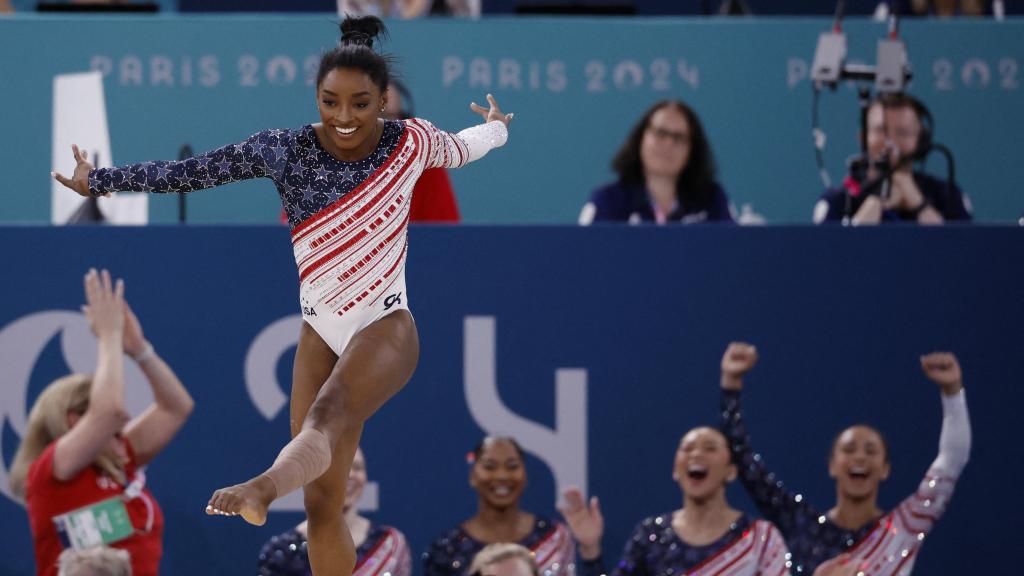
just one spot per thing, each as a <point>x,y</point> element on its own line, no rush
<point>839,315</point>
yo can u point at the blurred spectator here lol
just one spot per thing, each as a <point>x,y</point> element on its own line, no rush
<point>380,549</point>
<point>5,6</point>
<point>948,8</point>
<point>433,199</point>
<point>899,133</point>
<point>409,8</point>
<point>942,8</point>
<point>498,476</point>
<point>504,560</point>
<point>666,173</point>
<point>705,536</point>
<point>101,561</point>
<point>81,450</point>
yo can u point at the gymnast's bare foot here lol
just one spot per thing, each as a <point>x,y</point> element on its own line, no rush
<point>249,500</point>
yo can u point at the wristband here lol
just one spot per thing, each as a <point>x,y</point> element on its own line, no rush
<point>146,354</point>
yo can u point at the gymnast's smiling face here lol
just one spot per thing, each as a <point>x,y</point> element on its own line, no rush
<point>498,475</point>
<point>350,105</point>
<point>703,464</point>
<point>859,462</point>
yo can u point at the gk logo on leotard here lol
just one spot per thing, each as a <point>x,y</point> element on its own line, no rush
<point>308,311</point>
<point>392,300</point>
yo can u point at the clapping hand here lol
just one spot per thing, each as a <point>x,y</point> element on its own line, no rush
<point>134,341</point>
<point>104,305</point>
<point>586,522</point>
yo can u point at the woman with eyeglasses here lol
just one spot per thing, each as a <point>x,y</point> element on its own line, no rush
<point>666,173</point>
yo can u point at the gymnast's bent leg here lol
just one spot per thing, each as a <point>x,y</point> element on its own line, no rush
<point>377,363</point>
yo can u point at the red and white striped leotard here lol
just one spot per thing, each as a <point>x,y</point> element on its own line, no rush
<point>891,548</point>
<point>349,219</point>
<point>351,255</point>
<point>747,548</point>
<point>760,551</point>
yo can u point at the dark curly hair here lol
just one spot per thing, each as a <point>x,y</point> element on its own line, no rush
<point>696,183</point>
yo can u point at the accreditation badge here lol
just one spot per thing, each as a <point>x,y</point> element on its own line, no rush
<point>99,524</point>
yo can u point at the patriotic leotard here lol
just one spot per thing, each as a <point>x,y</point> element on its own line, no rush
<point>551,542</point>
<point>748,548</point>
<point>349,220</point>
<point>886,547</point>
<point>384,551</point>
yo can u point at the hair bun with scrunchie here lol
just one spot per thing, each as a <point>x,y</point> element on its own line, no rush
<point>361,30</point>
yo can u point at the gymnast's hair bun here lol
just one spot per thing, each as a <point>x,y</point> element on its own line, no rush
<point>361,30</point>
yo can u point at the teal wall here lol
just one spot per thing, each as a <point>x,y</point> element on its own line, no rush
<point>576,87</point>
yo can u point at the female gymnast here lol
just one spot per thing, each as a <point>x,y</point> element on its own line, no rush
<point>705,536</point>
<point>874,541</point>
<point>498,475</point>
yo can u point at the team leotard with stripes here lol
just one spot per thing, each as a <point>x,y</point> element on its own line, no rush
<point>349,220</point>
<point>886,547</point>
<point>749,547</point>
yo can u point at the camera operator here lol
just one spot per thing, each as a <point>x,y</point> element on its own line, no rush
<point>885,187</point>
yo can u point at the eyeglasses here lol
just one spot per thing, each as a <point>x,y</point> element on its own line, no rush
<point>677,138</point>
<point>900,133</point>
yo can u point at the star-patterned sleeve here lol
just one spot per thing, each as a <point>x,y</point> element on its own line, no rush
<point>783,508</point>
<point>443,559</point>
<point>593,567</point>
<point>260,156</point>
<point>634,555</point>
<point>447,150</point>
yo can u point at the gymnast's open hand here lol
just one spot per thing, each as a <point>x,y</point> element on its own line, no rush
<point>79,181</point>
<point>586,522</point>
<point>493,113</point>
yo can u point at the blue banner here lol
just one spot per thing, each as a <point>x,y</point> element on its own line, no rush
<point>576,85</point>
<point>597,347</point>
